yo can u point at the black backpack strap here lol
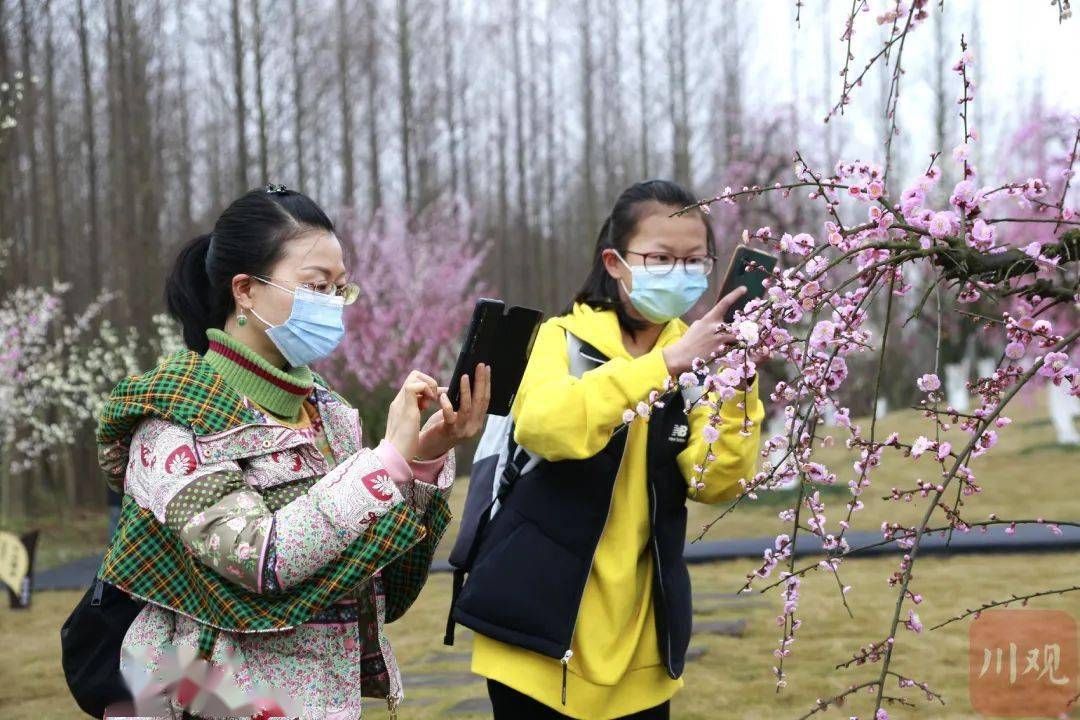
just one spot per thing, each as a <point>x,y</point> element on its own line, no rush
<point>582,356</point>
<point>515,464</point>
<point>455,592</point>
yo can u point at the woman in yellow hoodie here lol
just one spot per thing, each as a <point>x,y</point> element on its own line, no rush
<point>579,596</point>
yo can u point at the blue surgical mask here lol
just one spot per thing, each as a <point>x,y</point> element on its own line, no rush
<point>314,328</point>
<point>660,298</point>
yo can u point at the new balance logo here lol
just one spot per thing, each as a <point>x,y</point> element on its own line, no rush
<point>679,433</point>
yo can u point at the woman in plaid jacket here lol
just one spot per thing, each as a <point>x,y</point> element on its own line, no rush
<point>260,533</point>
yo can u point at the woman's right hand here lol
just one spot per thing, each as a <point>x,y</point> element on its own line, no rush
<point>702,339</point>
<point>403,420</point>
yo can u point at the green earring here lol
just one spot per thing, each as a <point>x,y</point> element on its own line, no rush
<point>241,319</point>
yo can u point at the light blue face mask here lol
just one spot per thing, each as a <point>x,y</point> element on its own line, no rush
<point>314,328</point>
<point>660,298</point>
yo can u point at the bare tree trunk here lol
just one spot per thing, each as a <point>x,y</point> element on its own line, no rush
<point>796,88</point>
<point>125,223</point>
<point>509,291</point>
<point>13,486</point>
<point>33,244</point>
<point>448,79</point>
<point>7,494</point>
<point>424,112</point>
<point>10,220</point>
<point>677,81</point>
<point>605,119</point>
<point>405,97</point>
<point>614,106</point>
<point>684,103</point>
<point>942,106</point>
<point>643,90</point>
<point>67,469</point>
<point>112,154</point>
<point>158,137</point>
<point>145,243</point>
<point>466,140</point>
<point>827,99</point>
<point>732,98</point>
<point>56,244</point>
<point>241,104</point>
<point>541,256</point>
<point>264,164</point>
<point>589,214</point>
<point>524,224</point>
<point>298,96</point>
<point>371,50</point>
<point>90,144</point>
<point>348,187</point>
<point>554,239</point>
<point>320,176</point>
<point>216,159</point>
<point>184,170</point>
<point>978,109</point>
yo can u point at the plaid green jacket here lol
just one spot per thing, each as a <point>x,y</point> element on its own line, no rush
<point>149,561</point>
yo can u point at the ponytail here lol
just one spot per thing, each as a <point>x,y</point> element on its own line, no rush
<point>187,292</point>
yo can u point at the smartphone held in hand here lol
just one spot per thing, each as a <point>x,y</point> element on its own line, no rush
<point>748,267</point>
<point>501,338</point>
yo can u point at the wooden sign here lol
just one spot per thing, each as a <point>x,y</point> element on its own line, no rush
<point>14,561</point>
<point>17,565</point>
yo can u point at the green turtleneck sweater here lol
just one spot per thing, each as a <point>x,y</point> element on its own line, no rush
<point>282,392</point>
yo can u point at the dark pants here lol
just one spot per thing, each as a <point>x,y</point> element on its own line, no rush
<point>509,704</point>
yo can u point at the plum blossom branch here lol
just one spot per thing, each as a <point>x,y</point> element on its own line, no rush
<point>1064,215</point>
<point>911,556</point>
<point>1022,599</point>
<point>963,254</point>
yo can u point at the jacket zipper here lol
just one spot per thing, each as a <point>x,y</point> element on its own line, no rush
<point>570,653</point>
<point>660,578</point>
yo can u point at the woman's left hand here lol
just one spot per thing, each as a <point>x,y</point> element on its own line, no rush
<point>448,427</point>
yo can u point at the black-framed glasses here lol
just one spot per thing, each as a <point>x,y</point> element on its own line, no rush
<point>349,291</point>
<point>661,263</point>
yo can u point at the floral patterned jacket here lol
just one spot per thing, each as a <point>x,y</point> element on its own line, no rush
<point>262,506</point>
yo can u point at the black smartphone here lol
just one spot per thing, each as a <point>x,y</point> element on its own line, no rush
<point>748,267</point>
<point>501,338</point>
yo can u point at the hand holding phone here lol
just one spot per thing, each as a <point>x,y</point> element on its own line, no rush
<point>701,339</point>
<point>743,281</point>
<point>450,426</point>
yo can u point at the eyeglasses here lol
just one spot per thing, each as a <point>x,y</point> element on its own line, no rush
<point>349,291</point>
<point>661,263</point>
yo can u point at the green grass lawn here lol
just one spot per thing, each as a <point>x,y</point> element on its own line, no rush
<point>1027,475</point>
<point>731,680</point>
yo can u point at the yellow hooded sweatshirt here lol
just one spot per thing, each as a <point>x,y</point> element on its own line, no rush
<point>616,667</point>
